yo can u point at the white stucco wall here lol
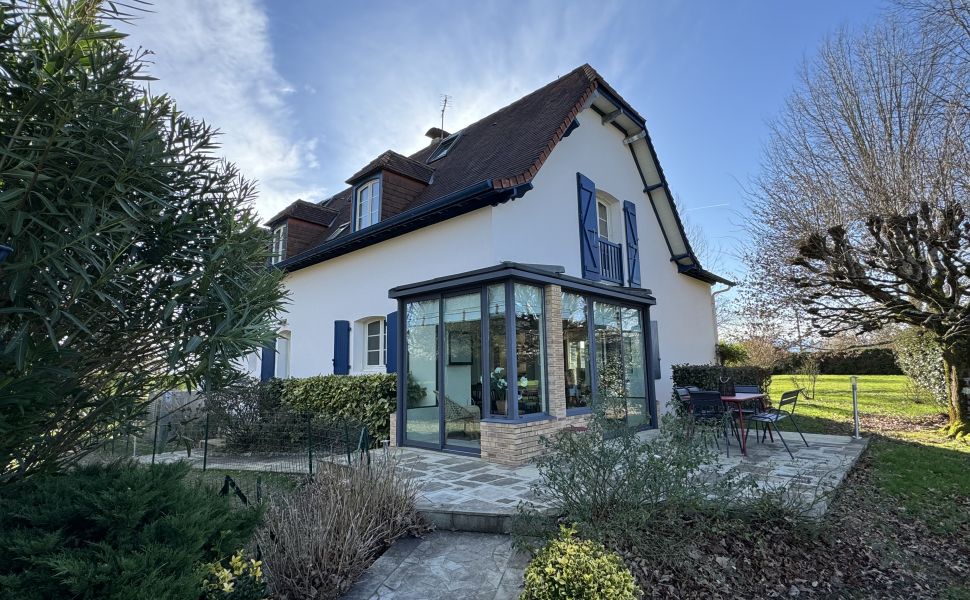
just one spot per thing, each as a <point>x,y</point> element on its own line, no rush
<point>548,219</point>
<point>542,227</point>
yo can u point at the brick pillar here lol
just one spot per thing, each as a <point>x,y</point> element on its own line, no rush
<point>393,418</point>
<point>555,361</point>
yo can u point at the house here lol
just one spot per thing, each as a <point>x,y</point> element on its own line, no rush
<point>509,273</point>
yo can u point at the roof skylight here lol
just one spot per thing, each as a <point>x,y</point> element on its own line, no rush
<point>443,148</point>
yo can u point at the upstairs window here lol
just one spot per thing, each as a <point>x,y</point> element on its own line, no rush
<point>442,150</point>
<point>367,206</point>
<point>603,216</point>
<point>279,244</point>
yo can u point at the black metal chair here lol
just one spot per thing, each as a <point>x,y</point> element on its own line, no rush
<point>707,408</point>
<point>771,416</point>
<point>747,389</point>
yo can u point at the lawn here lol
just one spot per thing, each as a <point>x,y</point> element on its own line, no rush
<point>911,491</point>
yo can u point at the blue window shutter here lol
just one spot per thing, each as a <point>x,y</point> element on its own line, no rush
<point>589,235</point>
<point>267,369</point>
<point>341,347</point>
<point>392,342</point>
<point>655,349</point>
<point>632,243</point>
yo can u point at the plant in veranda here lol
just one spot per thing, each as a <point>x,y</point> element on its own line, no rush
<point>568,568</point>
<point>138,260</point>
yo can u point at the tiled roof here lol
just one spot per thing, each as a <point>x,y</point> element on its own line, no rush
<point>398,163</point>
<point>306,211</point>
<point>507,147</point>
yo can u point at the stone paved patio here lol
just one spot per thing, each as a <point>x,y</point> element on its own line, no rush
<point>465,484</point>
<point>445,565</point>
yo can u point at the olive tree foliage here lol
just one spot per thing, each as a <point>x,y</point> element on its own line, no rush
<point>138,262</point>
<point>862,204</point>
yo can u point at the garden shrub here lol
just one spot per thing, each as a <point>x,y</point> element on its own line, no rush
<point>921,359</point>
<point>569,569</point>
<point>706,377</point>
<point>368,399</point>
<point>320,538</point>
<point>867,361</point>
<point>115,531</point>
<point>250,416</point>
<point>234,579</point>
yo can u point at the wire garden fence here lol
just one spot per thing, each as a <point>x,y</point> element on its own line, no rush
<point>238,433</point>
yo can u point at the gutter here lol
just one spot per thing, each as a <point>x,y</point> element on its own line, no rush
<point>406,221</point>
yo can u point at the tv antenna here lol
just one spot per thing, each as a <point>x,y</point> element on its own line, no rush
<point>445,99</point>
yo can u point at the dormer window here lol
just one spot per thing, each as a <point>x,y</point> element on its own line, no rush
<point>443,148</point>
<point>367,205</point>
<point>278,244</point>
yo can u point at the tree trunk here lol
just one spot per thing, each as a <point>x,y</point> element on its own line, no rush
<point>957,370</point>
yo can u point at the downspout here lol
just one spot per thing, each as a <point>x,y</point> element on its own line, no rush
<point>714,308</point>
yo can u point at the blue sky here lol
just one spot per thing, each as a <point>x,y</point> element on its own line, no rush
<point>308,92</point>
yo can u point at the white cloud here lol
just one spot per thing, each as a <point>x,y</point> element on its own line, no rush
<point>484,56</point>
<point>216,59</point>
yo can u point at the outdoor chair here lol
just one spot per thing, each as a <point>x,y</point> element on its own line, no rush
<point>753,389</point>
<point>683,396</point>
<point>707,408</point>
<point>464,416</point>
<point>771,416</point>
<point>747,389</point>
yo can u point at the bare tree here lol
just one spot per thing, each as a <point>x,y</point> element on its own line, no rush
<point>862,204</point>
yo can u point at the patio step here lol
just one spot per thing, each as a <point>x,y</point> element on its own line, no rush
<point>449,519</point>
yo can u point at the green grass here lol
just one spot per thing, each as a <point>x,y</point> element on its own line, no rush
<point>928,473</point>
<point>882,398</point>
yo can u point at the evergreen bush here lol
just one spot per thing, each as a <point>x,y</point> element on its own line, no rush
<point>368,399</point>
<point>571,569</point>
<point>115,532</point>
<point>707,377</point>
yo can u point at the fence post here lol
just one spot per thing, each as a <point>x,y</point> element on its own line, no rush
<point>309,443</point>
<point>855,407</point>
<point>155,438</point>
<point>205,444</point>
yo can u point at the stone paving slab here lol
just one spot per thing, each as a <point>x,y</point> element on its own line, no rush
<point>480,487</point>
<point>445,565</point>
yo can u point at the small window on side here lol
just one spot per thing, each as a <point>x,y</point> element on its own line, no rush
<point>279,244</point>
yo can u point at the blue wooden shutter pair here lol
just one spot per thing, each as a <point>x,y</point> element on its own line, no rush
<point>654,349</point>
<point>589,235</point>
<point>391,342</point>
<point>267,369</point>
<point>632,243</point>
<point>341,347</point>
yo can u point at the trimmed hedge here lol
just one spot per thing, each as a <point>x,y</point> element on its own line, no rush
<point>369,399</point>
<point>707,377</point>
<point>869,361</point>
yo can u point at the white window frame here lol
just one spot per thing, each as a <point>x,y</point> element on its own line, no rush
<point>367,204</point>
<point>279,243</point>
<point>603,218</point>
<point>361,349</point>
<point>283,352</point>
<point>614,223</point>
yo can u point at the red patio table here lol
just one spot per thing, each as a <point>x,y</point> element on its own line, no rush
<point>738,400</point>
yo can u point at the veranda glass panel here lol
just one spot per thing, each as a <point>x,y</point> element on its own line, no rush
<point>497,350</point>
<point>421,420</point>
<point>634,367</point>
<point>530,371</point>
<point>463,370</point>
<point>609,352</point>
<point>575,339</point>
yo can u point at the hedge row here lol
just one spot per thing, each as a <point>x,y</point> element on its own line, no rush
<point>369,399</point>
<point>707,377</point>
<point>870,361</point>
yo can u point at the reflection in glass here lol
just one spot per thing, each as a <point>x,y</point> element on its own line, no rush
<point>421,422</point>
<point>463,370</point>
<point>621,377</point>
<point>497,354</point>
<point>528,348</point>
<point>575,339</point>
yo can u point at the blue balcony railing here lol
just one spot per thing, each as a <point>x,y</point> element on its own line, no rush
<point>611,262</point>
